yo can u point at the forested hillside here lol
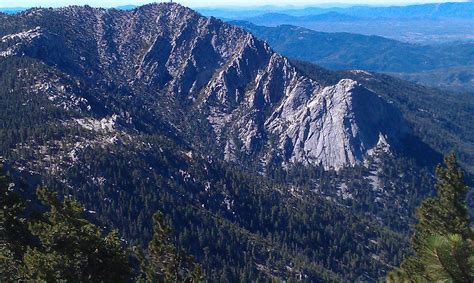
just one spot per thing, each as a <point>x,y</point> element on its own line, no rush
<point>263,168</point>
<point>447,66</point>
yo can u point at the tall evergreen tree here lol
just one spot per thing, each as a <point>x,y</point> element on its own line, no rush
<point>444,224</point>
<point>73,249</point>
<point>165,263</point>
<point>14,233</point>
<point>449,258</point>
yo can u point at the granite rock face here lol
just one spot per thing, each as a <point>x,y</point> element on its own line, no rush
<point>178,65</point>
<point>339,126</point>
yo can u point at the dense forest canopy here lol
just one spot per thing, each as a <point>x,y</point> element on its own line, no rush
<point>185,148</point>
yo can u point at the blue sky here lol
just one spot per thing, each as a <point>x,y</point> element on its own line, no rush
<point>207,3</point>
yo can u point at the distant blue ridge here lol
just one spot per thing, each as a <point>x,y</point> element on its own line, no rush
<point>12,10</point>
<point>21,9</point>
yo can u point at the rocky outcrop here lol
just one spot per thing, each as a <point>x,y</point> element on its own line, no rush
<point>336,127</point>
<point>177,65</point>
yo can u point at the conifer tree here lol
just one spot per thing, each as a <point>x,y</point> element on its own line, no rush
<point>165,263</point>
<point>443,233</point>
<point>14,234</point>
<point>72,249</point>
<point>448,258</point>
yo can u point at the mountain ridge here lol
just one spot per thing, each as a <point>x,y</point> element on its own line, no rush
<point>447,9</point>
<point>373,53</point>
<point>250,156</point>
<point>226,78</point>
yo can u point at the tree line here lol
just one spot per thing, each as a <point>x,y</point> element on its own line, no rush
<point>55,242</point>
<point>60,244</point>
<point>443,241</point>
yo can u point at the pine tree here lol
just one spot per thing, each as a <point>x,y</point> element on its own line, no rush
<point>449,258</point>
<point>165,263</point>
<point>439,219</point>
<point>73,249</point>
<point>14,234</point>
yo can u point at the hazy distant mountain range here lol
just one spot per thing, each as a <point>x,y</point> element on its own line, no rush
<point>416,30</point>
<point>267,168</point>
<point>448,65</point>
<point>12,10</point>
<point>454,9</point>
<point>417,23</point>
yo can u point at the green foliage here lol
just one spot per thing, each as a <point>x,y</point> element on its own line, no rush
<point>236,224</point>
<point>165,263</point>
<point>264,229</point>
<point>442,241</point>
<point>72,248</point>
<point>446,213</point>
<point>61,245</point>
<point>9,264</point>
<point>438,118</point>
<point>399,276</point>
<point>67,247</point>
<point>449,258</point>
<point>445,65</point>
<point>13,228</point>
<point>14,234</point>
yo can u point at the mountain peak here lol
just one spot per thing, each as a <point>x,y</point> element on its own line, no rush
<point>338,127</point>
<point>165,6</point>
<point>183,63</point>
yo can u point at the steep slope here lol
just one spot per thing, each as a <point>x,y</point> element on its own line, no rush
<point>438,65</point>
<point>347,113</point>
<point>355,51</point>
<point>161,108</point>
<point>235,223</point>
<point>422,30</point>
<point>172,59</point>
<point>438,118</point>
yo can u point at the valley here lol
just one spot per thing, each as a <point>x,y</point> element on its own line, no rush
<point>266,167</point>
